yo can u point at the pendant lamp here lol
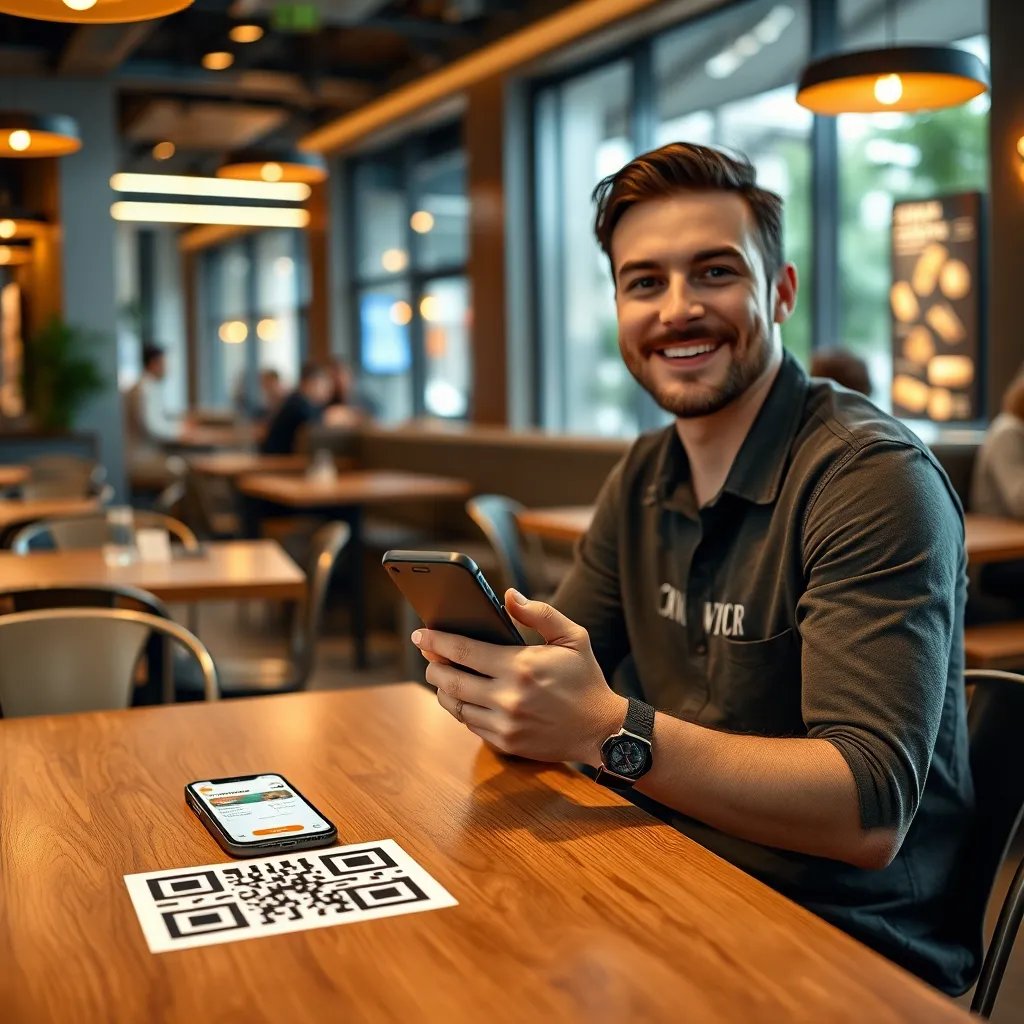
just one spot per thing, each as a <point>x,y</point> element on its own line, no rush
<point>92,12</point>
<point>33,135</point>
<point>15,255</point>
<point>275,165</point>
<point>17,225</point>
<point>907,78</point>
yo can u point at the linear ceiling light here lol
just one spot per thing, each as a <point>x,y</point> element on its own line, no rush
<point>95,12</point>
<point>220,188</point>
<point>32,135</point>
<point>199,213</point>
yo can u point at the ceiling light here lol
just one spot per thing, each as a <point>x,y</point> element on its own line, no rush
<point>274,165</point>
<point>422,221</point>
<point>907,78</point>
<point>12,256</point>
<point>15,224</point>
<point>245,34</point>
<point>219,188</point>
<point>233,332</point>
<point>430,308</point>
<point>218,60</point>
<point>91,11</point>
<point>267,330</point>
<point>401,313</point>
<point>33,135</point>
<point>394,260</point>
<point>164,150</point>
<point>198,213</point>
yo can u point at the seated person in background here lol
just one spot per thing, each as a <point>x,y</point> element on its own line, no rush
<point>272,394</point>
<point>347,407</point>
<point>770,598</point>
<point>302,407</point>
<point>997,489</point>
<point>843,367</point>
<point>148,427</point>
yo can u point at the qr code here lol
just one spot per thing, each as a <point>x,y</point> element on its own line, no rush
<point>203,905</point>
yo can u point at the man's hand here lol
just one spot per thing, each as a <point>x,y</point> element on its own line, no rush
<point>549,703</point>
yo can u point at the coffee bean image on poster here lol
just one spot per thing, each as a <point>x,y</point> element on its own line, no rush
<point>935,307</point>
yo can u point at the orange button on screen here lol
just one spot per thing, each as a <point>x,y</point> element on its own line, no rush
<point>276,829</point>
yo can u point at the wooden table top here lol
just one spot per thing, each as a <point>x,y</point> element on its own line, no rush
<point>226,436</point>
<point>224,570</point>
<point>361,487</point>
<point>988,538</point>
<point>573,904</point>
<point>16,511</point>
<point>235,464</point>
<point>992,539</point>
<point>11,476</point>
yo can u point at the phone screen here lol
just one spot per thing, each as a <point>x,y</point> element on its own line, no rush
<point>257,809</point>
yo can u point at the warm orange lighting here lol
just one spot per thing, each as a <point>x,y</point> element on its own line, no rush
<point>218,60</point>
<point>1020,147</point>
<point>164,150</point>
<point>430,308</point>
<point>208,213</point>
<point>33,135</point>
<point>19,227</point>
<point>19,140</point>
<point>268,330</point>
<point>233,332</point>
<point>274,166</point>
<point>401,313</point>
<point>7,228</point>
<point>888,89</point>
<point>10,257</point>
<point>422,221</point>
<point>271,171</point>
<point>394,260</point>
<point>245,34</point>
<point>91,11</point>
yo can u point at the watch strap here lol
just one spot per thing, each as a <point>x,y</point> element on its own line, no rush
<point>639,719</point>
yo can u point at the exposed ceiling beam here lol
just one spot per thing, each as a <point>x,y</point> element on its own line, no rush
<point>272,86</point>
<point>23,60</point>
<point>97,50</point>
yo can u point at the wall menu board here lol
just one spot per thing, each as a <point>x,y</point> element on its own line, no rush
<point>936,307</point>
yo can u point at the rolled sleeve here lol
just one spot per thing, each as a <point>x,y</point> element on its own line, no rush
<point>879,619</point>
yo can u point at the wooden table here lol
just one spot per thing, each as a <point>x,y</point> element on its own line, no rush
<point>991,539</point>
<point>231,465</point>
<point>988,538</point>
<point>16,512</point>
<point>574,906</point>
<point>12,476</point>
<point>346,497</point>
<point>225,570</point>
<point>212,437</point>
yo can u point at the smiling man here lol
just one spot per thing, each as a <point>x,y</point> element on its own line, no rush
<point>761,635</point>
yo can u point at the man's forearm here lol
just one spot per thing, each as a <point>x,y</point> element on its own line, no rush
<point>796,794</point>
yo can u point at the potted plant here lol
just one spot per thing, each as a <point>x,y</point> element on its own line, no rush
<point>61,373</point>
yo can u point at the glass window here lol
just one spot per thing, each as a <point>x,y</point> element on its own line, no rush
<point>887,157</point>
<point>440,219</point>
<point>280,303</point>
<point>385,316</point>
<point>382,246</point>
<point>444,310</point>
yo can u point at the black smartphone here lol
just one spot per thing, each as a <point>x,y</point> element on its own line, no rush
<point>448,592</point>
<point>250,815</point>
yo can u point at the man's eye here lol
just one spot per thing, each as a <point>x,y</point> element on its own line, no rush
<point>718,272</point>
<point>642,282</point>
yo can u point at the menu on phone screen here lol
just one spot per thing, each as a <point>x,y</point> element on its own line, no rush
<point>259,808</point>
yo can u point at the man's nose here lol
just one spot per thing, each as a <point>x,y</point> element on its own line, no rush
<point>679,304</point>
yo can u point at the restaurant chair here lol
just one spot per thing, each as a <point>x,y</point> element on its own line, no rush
<point>65,476</point>
<point>253,677</point>
<point>520,558</point>
<point>93,531</point>
<point>61,660</point>
<point>995,725</point>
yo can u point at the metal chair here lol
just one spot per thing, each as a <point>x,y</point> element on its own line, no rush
<point>62,660</point>
<point>92,531</point>
<point>995,723</point>
<point>520,557</point>
<point>251,677</point>
<point>65,476</point>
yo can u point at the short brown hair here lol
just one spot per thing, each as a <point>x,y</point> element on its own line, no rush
<point>688,167</point>
<point>1013,400</point>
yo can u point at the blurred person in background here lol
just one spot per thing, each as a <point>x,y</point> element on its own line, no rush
<point>842,366</point>
<point>148,426</point>
<point>347,406</point>
<point>302,408</point>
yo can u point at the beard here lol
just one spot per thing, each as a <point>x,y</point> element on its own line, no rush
<point>689,397</point>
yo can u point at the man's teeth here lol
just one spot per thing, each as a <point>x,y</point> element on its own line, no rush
<point>686,351</point>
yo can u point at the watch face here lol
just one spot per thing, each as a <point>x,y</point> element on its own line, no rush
<point>627,757</point>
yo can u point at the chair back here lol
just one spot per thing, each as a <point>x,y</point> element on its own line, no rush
<point>326,546</point>
<point>62,476</point>
<point>61,660</point>
<point>495,514</point>
<point>92,595</point>
<point>93,531</point>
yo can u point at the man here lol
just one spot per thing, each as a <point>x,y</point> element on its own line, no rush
<point>301,408</point>
<point>779,575</point>
<point>148,427</point>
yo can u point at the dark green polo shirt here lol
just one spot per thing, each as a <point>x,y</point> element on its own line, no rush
<point>820,594</point>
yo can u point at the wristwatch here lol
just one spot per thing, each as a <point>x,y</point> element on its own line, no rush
<point>628,754</point>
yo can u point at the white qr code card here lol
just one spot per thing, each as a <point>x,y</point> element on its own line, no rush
<point>213,903</point>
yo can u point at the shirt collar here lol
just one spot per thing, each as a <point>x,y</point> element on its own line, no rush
<point>756,472</point>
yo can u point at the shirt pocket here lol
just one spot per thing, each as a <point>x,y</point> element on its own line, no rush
<point>756,684</point>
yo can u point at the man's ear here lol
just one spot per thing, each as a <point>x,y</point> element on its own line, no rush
<point>784,289</point>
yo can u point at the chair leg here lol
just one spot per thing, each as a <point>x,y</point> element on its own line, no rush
<point>1000,947</point>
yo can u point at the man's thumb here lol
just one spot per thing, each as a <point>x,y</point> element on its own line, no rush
<point>549,622</point>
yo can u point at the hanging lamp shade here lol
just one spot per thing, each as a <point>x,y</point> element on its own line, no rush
<point>92,12</point>
<point>14,255</point>
<point>893,78</point>
<point>34,135</point>
<point>17,225</point>
<point>275,165</point>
